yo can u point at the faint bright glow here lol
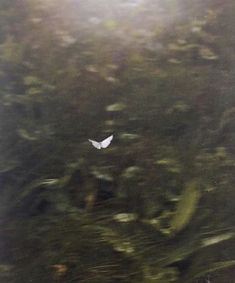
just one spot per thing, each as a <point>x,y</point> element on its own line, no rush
<point>129,22</point>
<point>132,3</point>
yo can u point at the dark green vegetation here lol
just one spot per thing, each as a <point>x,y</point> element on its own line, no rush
<point>158,205</point>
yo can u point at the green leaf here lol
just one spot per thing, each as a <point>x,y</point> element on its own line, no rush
<point>32,80</point>
<point>102,173</point>
<point>5,267</point>
<point>216,266</point>
<point>23,133</point>
<point>116,107</point>
<point>186,207</point>
<point>118,242</point>
<point>170,164</point>
<point>125,217</point>
<point>161,275</point>
<point>217,239</point>
<point>131,172</point>
<point>34,91</point>
<point>181,47</point>
<point>8,165</point>
<point>35,185</point>
<point>129,137</point>
<point>207,53</point>
<point>110,24</point>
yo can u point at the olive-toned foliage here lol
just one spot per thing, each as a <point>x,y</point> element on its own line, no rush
<point>157,205</point>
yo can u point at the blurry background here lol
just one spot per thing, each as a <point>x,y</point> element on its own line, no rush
<point>157,206</point>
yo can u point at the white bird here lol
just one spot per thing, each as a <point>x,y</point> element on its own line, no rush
<point>103,144</point>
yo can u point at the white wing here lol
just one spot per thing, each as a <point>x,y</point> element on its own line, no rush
<point>95,144</point>
<point>105,143</point>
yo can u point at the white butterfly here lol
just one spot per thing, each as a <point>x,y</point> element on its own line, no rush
<point>103,144</point>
